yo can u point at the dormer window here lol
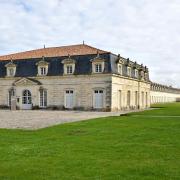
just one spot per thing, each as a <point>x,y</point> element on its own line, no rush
<point>42,67</point>
<point>146,76</point>
<point>120,69</point>
<point>129,71</point>
<point>10,69</point>
<point>69,69</point>
<point>142,75</point>
<point>98,64</point>
<point>69,65</point>
<point>43,71</point>
<point>98,68</point>
<point>136,73</point>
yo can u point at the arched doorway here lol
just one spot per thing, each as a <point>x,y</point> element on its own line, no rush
<point>26,100</point>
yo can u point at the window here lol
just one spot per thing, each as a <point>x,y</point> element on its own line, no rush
<point>146,99</point>
<point>69,69</point>
<point>69,92</point>
<point>10,69</point>
<point>142,98</point>
<point>136,98</point>
<point>43,70</point>
<point>136,73</point>
<point>43,98</point>
<point>128,98</point>
<point>98,68</point>
<point>129,71</point>
<point>146,76</point>
<point>120,69</point>
<point>119,99</point>
<point>42,66</point>
<point>11,72</point>
<point>26,97</point>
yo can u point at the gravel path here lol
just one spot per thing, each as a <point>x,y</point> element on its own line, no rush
<point>40,119</point>
<point>37,119</point>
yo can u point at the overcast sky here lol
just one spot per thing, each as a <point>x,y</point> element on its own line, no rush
<point>146,31</point>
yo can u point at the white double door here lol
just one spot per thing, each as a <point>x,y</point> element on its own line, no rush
<point>69,99</point>
<point>98,99</point>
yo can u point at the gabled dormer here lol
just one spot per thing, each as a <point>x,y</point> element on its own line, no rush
<point>128,67</point>
<point>136,70</point>
<point>10,69</point>
<point>119,63</point>
<point>69,65</point>
<point>142,70</point>
<point>42,67</point>
<point>98,64</point>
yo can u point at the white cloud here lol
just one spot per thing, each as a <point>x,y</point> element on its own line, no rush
<point>143,30</point>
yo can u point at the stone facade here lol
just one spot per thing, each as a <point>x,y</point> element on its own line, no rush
<point>163,94</point>
<point>87,79</point>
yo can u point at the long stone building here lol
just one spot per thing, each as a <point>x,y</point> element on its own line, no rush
<point>163,94</point>
<point>77,77</point>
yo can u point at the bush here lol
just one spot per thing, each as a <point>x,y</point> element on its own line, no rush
<point>35,107</point>
<point>56,107</point>
<point>4,107</point>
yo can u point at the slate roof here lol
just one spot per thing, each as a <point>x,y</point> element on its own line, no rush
<point>73,50</point>
<point>28,67</point>
<point>26,62</point>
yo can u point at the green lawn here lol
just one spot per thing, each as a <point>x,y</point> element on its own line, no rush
<point>139,146</point>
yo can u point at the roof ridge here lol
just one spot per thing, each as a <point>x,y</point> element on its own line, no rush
<point>76,49</point>
<point>39,49</point>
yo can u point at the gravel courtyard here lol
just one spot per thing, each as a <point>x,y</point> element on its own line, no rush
<point>39,119</point>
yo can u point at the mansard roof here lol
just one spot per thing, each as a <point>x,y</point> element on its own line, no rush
<point>73,50</point>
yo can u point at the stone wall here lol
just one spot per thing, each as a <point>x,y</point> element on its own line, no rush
<point>83,86</point>
<point>163,97</point>
<point>162,94</point>
<point>137,89</point>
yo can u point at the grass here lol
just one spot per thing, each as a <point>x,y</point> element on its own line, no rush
<point>138,146</point>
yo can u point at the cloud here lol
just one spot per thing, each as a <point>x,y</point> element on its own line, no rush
<point>143,30</point>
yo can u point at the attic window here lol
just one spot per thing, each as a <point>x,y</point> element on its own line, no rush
<point>43,70</point>
<point>98,68</point>
<point>120,69</point>
<point>69,69</point>
<point>129,71</point>
<point>10,69</point>
<point>69,65</point>
<point>136,73</point>
<point>42,67</point>
<point>98,64</point>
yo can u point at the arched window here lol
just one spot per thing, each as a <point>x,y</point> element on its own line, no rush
<point>42,98</point>
<point>26,97</point>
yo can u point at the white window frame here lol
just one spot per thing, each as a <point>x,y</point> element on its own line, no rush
<point>98,67</point>
<point>120,69</point>
<point>69,69</point>
<point>136,73</point>
<point>129,71</point>
<point>11,71</point>
<point>43,98</point>
<point>43,70</point>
